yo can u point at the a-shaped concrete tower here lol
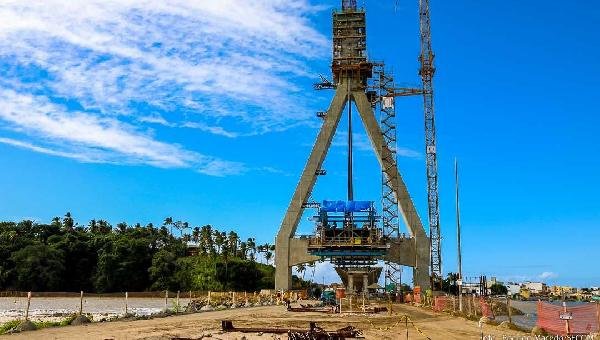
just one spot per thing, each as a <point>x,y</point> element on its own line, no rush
<point>350,239</point>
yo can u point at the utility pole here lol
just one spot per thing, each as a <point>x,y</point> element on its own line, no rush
<point>460,304</point>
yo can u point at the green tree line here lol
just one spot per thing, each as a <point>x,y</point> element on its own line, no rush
<point>97,257</point>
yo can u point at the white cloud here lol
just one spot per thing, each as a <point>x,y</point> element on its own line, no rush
<point>29,146</point>
<point>322,272</point>
<point>227,67</point>
<point>217,130</point>
<point>547,275</point>
<point>361,142</point>
<point>88,138</point>
<point>213,58</point>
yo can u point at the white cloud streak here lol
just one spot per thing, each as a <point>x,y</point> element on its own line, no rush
<point>94,139</point>
<point>88,70</point>
<point>547,275</point>
<point>361,142</point>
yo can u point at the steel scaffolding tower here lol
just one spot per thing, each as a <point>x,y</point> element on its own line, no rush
<point>384,85</point>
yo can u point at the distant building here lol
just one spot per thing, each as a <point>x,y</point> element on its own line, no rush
<point>192,249</point>
<point>536,287</point>
<point>471,288</point>
<point>513,288</point>
<point>492,282</point>
<point>562,290</point>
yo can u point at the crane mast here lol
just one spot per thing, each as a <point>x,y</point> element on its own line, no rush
<point>426,72</point>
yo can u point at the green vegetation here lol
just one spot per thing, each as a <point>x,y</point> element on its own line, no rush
<point>499,289</point>
<point>66,256</point>
<point>46,324</point>
<point>449,284</point>
<point>7,326</point>
<point>11,325</point>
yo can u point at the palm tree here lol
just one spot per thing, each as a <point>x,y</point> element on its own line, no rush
<point>68,222</point>
<point>185,226</point>
<point>312,265</point>
<point>263,248</point>
<point>243,250</point>
<point>251,244</point>
<point>301,268</point>
<point>104,227</point>
<point>268,256</point>
<point>206,240</point>
<point>56,222</point>
<point>179,226</point>
<point>196,235</point>
<point>272,248</point>
<point>92,226</point>
<point>232,241</point>
<point>122,227</point>
<point>219,241</point>
<point>169,222</point>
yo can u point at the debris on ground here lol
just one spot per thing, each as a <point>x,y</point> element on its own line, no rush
<point>313,333</point>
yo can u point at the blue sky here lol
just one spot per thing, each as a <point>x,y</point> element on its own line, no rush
<point>134,111</point>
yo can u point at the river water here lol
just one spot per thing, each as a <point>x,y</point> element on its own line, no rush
<point>56,309</point>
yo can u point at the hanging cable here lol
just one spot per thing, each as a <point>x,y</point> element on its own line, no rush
<point>350,175</point>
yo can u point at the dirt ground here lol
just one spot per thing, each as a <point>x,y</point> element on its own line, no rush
<point>207,326</point>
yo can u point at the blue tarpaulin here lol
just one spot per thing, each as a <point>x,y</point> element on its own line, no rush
<point>346,206</point>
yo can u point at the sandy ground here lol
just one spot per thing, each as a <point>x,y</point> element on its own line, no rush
<point>207,325</point>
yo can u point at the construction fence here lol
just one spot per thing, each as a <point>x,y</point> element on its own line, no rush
<point>412,298</point>
<point>569,320</point>
<point>472,305</point>
<point>15,305</point>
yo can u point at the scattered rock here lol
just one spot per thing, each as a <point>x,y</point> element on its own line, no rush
<point>485,320</point>
<point>162,314</point>
<point>196,305</point>
<point>26,326</point>
<point>206,308</point>
<point>80,320</point>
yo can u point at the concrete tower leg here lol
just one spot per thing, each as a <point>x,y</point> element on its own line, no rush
<point>283,251</point>
<point>350,283</point>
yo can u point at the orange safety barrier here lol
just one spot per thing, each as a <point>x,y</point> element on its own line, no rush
<point>441,303</point>
<point>416,298</point>
<point>486,309</point>
<point>564,321</point>
<point>447,303</point>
